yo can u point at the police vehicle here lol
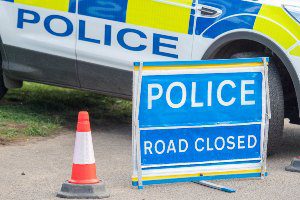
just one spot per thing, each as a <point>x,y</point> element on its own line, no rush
<point>91,44</point>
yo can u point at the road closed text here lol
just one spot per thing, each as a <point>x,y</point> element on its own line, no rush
<point>200,144</point>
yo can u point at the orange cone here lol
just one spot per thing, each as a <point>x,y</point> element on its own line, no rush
<point>84,167</point>
<point>84,182</point>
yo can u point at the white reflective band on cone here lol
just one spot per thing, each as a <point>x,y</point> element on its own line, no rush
<point>83,151</point>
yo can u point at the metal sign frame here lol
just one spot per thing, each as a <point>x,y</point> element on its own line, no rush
<point>158,175</point>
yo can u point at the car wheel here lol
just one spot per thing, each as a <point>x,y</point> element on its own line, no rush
<point>276,99</point>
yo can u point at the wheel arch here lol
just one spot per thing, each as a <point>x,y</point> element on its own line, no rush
<point>226,41</point>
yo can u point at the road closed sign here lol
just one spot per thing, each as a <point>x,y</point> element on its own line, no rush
<point>199,120</point>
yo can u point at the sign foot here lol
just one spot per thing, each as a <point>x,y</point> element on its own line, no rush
<point>215,186</point>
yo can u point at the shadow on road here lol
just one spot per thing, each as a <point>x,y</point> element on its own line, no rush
<point>291,142</point>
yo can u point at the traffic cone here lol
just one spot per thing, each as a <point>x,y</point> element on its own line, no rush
<point>84,183</point>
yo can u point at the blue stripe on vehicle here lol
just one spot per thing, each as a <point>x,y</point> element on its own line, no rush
<point>111,10</point>
<point>72,6</point>
<point>192,19</point>
<point>233,23</point>
<point>229,8</point>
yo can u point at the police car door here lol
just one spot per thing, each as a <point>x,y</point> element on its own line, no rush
<point>113,34</point>
<point>39,39</point>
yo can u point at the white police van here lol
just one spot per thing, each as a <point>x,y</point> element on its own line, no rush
<point>91,44</point>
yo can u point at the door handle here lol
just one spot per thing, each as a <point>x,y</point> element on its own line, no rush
<point>208,11</point>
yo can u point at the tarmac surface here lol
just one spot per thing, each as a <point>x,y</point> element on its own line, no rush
<point>36,169</point>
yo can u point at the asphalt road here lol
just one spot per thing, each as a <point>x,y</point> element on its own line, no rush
<point>47,164</point>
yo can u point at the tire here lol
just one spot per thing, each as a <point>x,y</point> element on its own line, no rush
<point>276,99</point>
<point>3,89</point>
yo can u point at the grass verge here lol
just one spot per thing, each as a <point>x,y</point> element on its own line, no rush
<point>40,110</point>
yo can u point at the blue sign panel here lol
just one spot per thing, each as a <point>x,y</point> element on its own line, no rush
<point>190,145</point>
<point>200,99</point>
<point>200,120</point>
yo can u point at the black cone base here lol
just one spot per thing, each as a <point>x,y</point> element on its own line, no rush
<point>74,191</point>
<point>295,165</point>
